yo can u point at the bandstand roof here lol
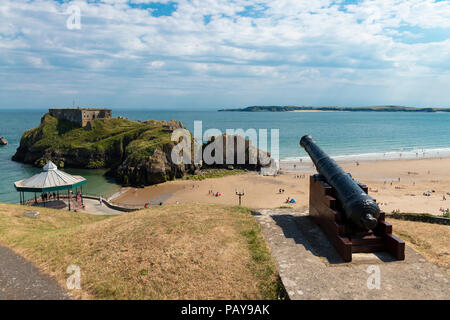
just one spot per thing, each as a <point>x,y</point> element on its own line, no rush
<point>50,179</point>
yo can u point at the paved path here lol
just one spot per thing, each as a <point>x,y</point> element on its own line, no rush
<point>94,207</point>
<point>310,267</point>
<point>21,280</point>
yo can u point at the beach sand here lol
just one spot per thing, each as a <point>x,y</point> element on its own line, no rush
<point>406,195</point>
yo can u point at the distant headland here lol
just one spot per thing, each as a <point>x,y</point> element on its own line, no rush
<point>338,109</point>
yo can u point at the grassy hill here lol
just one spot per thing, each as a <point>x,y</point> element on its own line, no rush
<point>137,153</point>
<point>194,251</point>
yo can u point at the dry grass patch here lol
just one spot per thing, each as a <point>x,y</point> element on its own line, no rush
<point>194,251</point>
<point>431,240</point>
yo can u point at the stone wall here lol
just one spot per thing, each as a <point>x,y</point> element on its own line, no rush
<point>81,116</point>
<point>73,115</point>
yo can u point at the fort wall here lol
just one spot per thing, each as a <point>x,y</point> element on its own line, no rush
<point>81,116</point>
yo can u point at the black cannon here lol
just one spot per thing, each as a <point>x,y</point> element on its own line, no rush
<point>359,208</point>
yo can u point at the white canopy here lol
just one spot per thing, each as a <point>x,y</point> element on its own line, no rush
<point>50,179</point>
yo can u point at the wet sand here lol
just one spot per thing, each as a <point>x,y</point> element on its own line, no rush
<point>152,194</point>
<point>382,177</point>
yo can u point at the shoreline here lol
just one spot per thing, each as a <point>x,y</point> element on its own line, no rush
<point>396,185</point>
<point>413,154</point>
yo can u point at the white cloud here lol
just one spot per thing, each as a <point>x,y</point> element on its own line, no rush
<point>288,48</point>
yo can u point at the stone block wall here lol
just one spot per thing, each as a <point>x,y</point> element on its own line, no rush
<point>81,116</point>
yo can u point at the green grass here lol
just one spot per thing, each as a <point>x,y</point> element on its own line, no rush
<point>262,265</point>
<point>416,216</point>
<point>136,140</point>
<point>212,173</point>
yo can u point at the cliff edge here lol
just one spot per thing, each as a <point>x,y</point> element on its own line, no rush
<point>135,153</point>
<point>145,148</point>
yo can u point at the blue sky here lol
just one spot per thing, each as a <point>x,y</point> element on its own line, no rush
<point>218,53</point>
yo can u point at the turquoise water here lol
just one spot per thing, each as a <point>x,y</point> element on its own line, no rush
<point>339,134</point>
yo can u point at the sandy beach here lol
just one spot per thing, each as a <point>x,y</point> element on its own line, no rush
<point>395,184</point>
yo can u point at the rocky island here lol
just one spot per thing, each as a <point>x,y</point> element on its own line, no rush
<point>135,153</point>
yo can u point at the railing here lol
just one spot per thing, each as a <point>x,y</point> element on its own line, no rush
<point>122,208</point>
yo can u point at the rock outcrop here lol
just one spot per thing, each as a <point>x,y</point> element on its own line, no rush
<point>136,153</point>
<point>236,152</point>
<point>3,141</point>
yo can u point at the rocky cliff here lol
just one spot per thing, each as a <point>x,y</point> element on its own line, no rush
<point>136,153</point>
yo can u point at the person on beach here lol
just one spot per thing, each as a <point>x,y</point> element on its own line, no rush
<point>100,200</point>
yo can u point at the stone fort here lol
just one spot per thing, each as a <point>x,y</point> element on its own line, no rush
<point>81,116</point>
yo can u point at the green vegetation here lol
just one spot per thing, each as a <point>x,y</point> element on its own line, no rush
<point>212,173</point>
<point>425,217</point>
<point>137,153</point>
<point>120,136</point>
<point>262,265</point>
<point>332,108</point>
<point>189,251</point>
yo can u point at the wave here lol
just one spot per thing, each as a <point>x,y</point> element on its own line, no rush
<point>391,155</point>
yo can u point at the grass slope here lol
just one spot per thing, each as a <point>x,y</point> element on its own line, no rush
<point>119,137</point>
<point>194,251</point>
<point>431,240</point>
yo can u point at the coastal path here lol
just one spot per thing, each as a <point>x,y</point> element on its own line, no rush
<point>21,280</point>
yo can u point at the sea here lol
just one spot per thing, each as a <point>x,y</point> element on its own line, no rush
<point>346,136</point>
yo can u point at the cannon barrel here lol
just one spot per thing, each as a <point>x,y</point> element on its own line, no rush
<point>359,208</point>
